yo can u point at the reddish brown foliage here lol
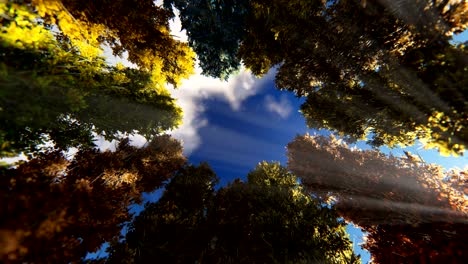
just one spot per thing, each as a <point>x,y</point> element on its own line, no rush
<point>410,208</point>
<point>55,210</point>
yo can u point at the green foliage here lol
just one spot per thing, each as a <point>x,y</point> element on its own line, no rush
<point>266,220</point>
<point>174,229</point>
<point>272,174</point>
<point>51,91</point>
<point>366,69</point>
<point>214,29</point>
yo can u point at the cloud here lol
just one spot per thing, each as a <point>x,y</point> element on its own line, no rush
<point>12,160</point>
<point>282,107</point>
<point>104,145</point>
<point>194,92</point>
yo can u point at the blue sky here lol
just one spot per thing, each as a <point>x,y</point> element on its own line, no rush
<point>235,141</point>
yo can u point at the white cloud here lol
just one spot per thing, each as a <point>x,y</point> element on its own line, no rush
<point>176,28</point>
<point>104,145</point>
<point>282,107</point>
<point>194,91</point>
<point>12,160</point>
<point>113,60</point>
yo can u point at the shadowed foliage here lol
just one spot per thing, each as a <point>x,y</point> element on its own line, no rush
<point>214,29</point>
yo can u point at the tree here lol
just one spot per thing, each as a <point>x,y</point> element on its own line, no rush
<point>56,88</point>
<point>214,29</point>
<point>174,229</point>
<point>55,209</point>
<point>379,69</point>
<point>414,212</point>
<point>267,219</point>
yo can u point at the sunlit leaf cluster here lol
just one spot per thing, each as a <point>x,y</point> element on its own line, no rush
<point>140,28</point>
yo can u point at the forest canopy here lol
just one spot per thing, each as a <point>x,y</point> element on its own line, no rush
<point>388,72</point>
<point>57,208</point>
<point>57,95</point>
